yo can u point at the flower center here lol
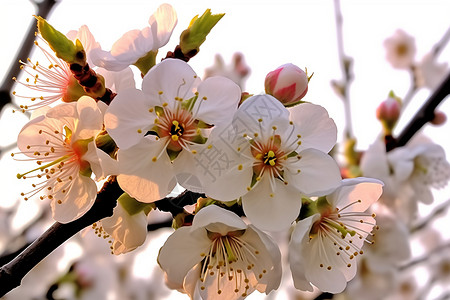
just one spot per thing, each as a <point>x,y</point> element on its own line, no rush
<point>176,130</point>
<point>270,158</point>
<point>345,231</point>
<point>230,259</point>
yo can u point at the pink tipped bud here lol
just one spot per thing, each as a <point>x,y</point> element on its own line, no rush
<point>288,84</point>
<point>439,118</point>
<point>388,112</point>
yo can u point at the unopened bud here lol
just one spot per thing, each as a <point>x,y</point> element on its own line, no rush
<point>388,112</point>
<point>288,84</point>
<point>439,118</point>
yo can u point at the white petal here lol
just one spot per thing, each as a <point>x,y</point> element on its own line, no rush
<point>128,231</point>
<point>222,98</point>
<point>332,280</point>
<point>219,165</point>
<point>259,112</point>
<point>105,59</point>
<point>374,162</point>
<point>318,174</point>
<point>269,209</point>
<point>29,135</point>
<point>127,119</point>
<point>316,128</point>
<point>65,113</point>
<point>185,169</point>
<point>132,45</point>
<point>118,81</point>
<point>297,252</point>
<point>172,77</point>
<point>368,190</point>
<point>75,201</point>
<point>269,258</point>
<point>218,220</point>
<point>100,163</point>
<point>90,119</point>
<point>162,23</point>
<point>141,177</point>
<point>181,252</point>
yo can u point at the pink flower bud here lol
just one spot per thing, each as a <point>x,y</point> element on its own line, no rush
<point>439,118</point>
<point>389,110</point>
<point>288,84</point>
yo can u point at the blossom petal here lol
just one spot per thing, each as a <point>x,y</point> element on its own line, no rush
<point>219,165</point>
<point>142,176</point>
<point>132,45</point>
<point>315,173</point>
<point>269,209</point>
<point>118,81</point>
<point>162,23</point>
<point>367,190</point>
<point>327,280</point>
<point>128,231</point>
<point>216,219</point>
<point>297,256</point>
<point>181,252</point>
<point>90,119</point>
<point>75,201</point>
<point>222,97</point>
<point>316,128</point>
<point>104,59</point>
<point>127,119</point>
<point>167,80</point>
<point>258,112</point>
<point>269,258</point>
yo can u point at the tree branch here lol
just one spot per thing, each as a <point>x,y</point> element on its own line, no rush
<point>423,115</point>
<point>43,9</point>
<point>12,273</point>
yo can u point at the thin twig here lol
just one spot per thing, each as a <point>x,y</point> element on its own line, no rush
<point>346,65</point>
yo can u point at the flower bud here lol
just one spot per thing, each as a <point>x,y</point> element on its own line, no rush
<point>388,112</point>
<point>439,118</point>
<point>288,84</point>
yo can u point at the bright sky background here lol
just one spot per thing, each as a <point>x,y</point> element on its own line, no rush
<point>269,34</point>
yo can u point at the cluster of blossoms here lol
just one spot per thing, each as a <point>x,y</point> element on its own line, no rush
<point>261,162</point>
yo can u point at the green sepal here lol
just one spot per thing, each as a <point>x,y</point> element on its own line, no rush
<point>60,44</point>
<point>145,63</point>
<point>132,206</point>
<point>322,204</point>
<point>172,154</point>
<point>308,209</point>
<point>195,35</point>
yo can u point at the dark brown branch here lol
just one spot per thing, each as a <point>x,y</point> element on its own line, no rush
<point>424,114</point>
<point>12,273</point>
<point>43,9</point>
